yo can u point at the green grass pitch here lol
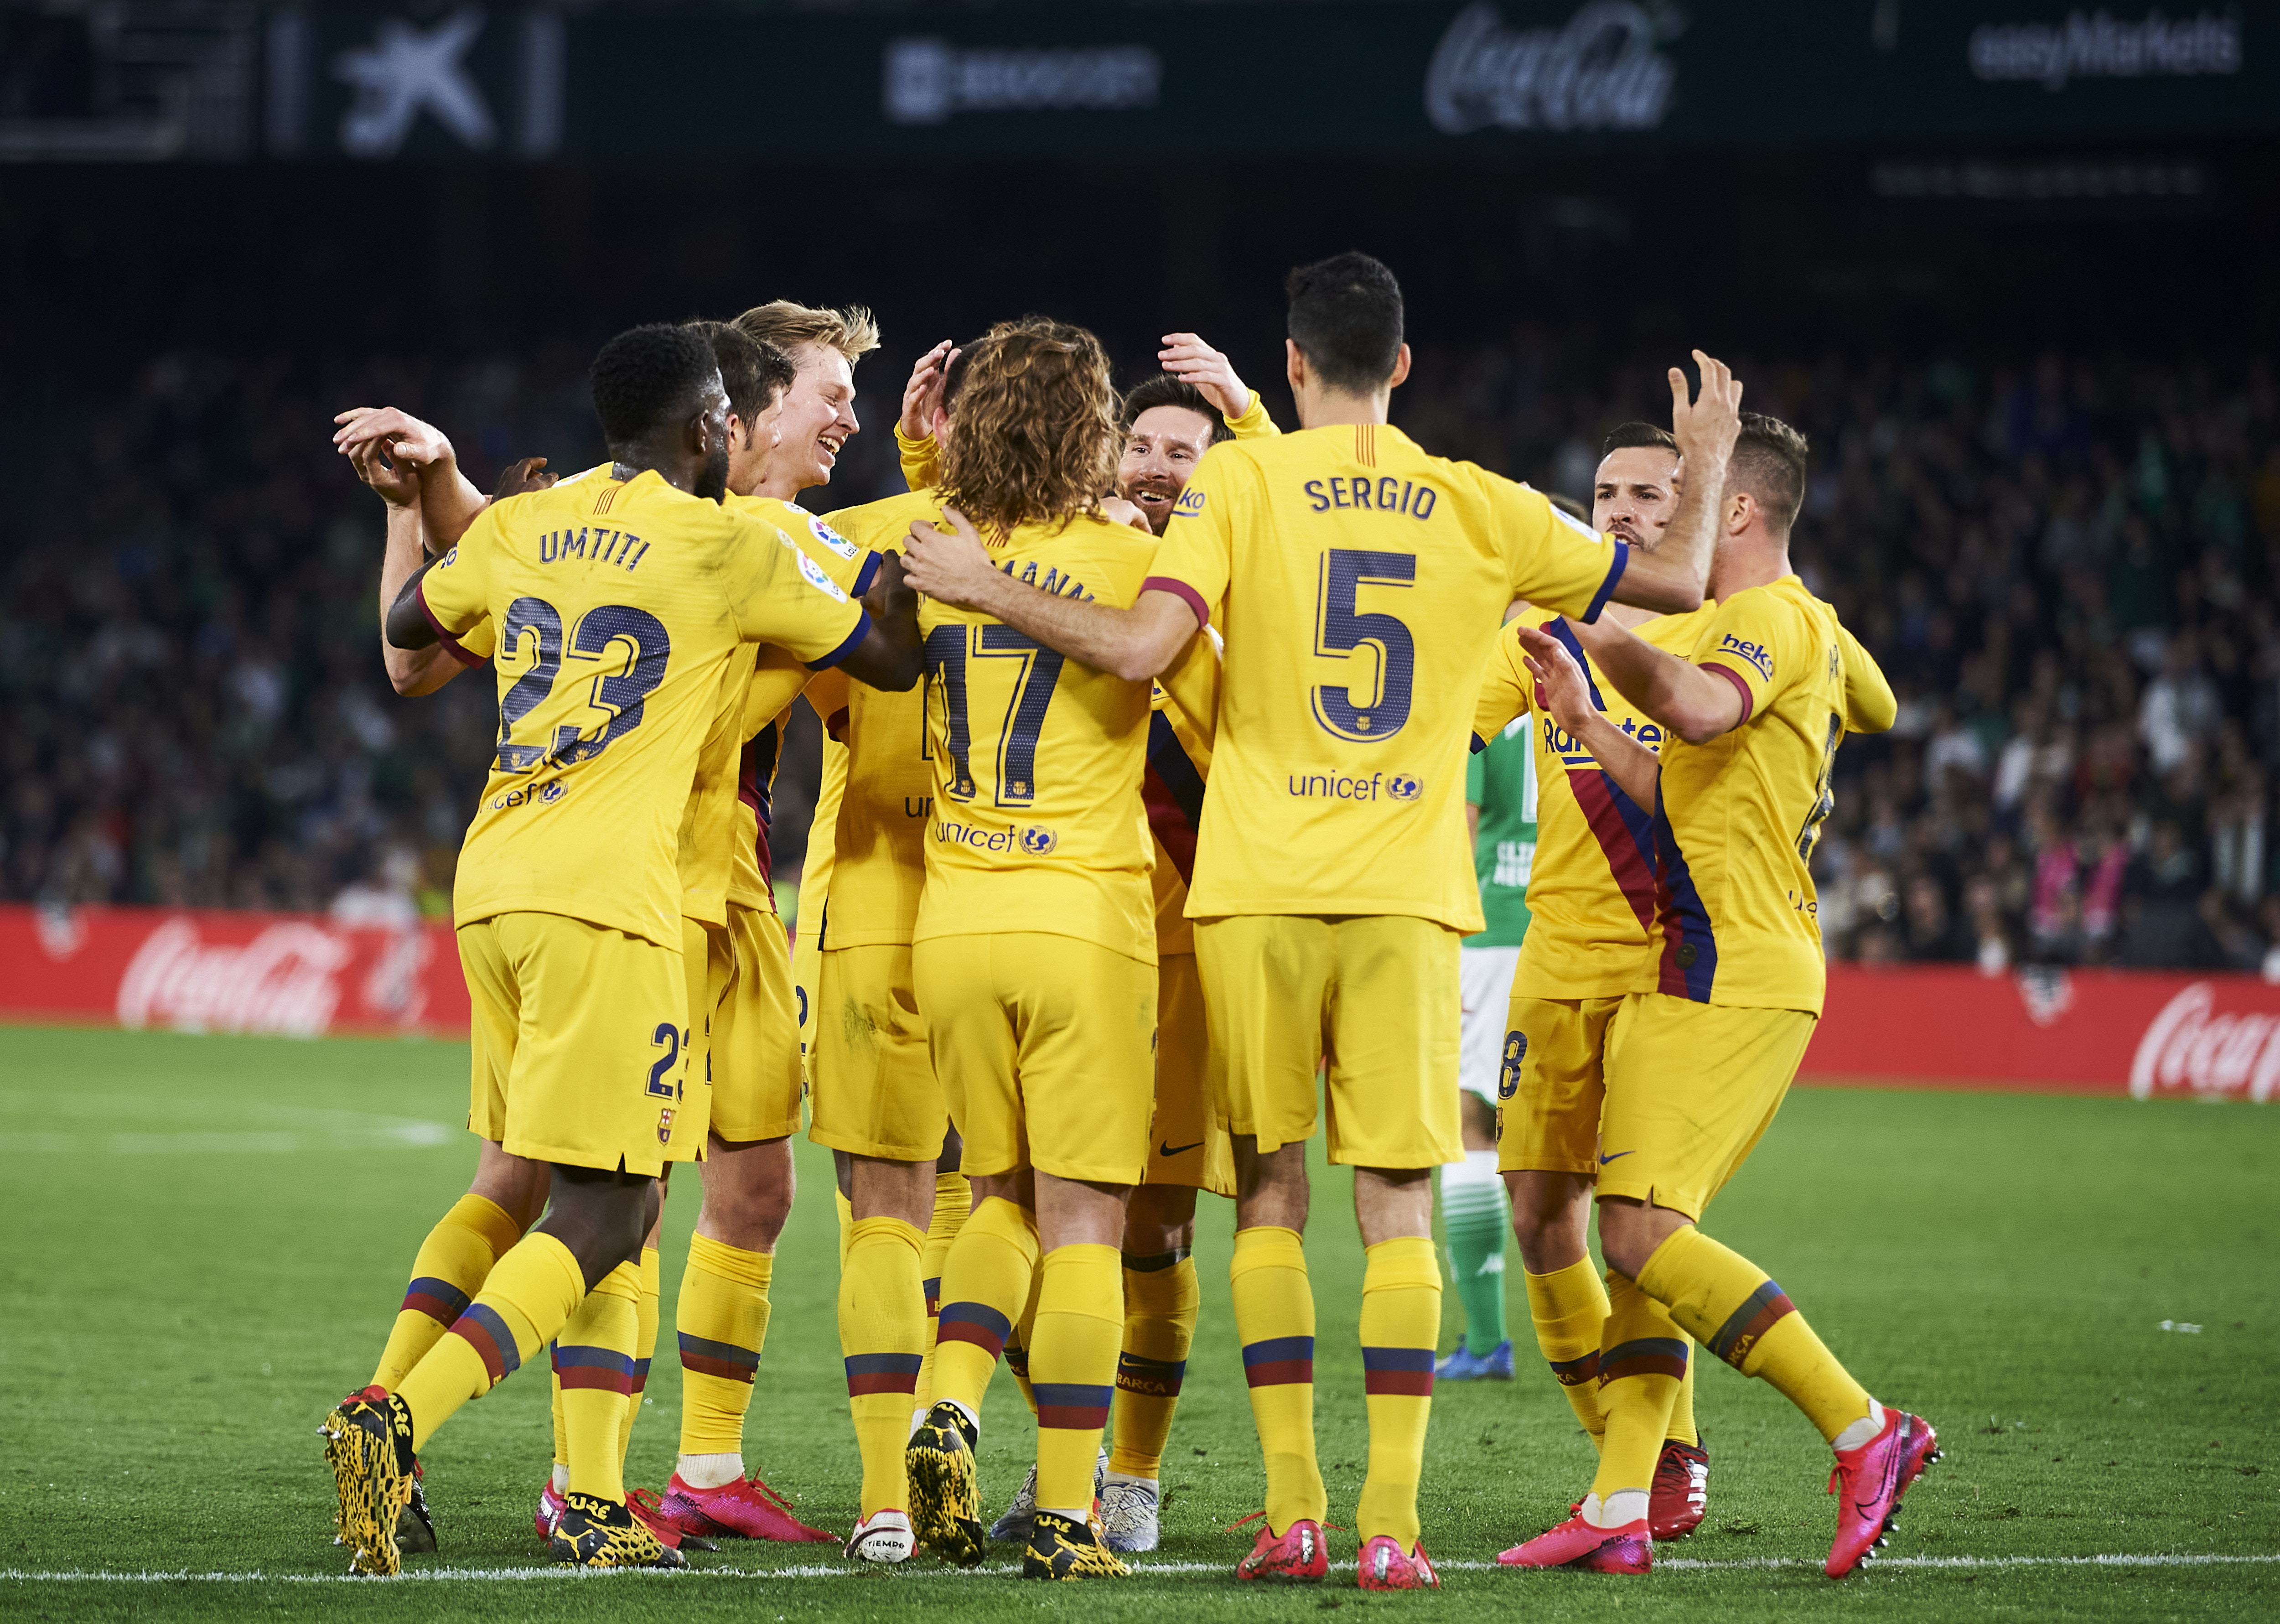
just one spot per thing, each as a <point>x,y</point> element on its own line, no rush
<point>207,1236</point>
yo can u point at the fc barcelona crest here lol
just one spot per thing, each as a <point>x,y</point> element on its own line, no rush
<point>665,1126</point>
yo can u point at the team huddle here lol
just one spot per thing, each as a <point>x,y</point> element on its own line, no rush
<point>1141,852</point>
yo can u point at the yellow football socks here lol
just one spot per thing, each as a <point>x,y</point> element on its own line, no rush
<point>1274,1318</point>
<point>644,1345</point>
<point>1079,1320</point>
<point>594,1356</point>
<point>1643,1360</point>
<point>1161,1298</point>
<point>1569,1306</point>
<point>1682,1429</point>
<point>1400,1326</point>
<point>450,1267</point>
<point>1735,1312</point>
<point>881,1329</point>
<point>721,1320</point>
<point>530,1297</point>
<point>1017,1347</point>
<point>953,1199</point>
<point>985,1285</point>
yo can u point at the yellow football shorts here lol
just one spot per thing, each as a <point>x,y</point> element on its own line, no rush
<point>1553,1084</point>
<point>1188,1143</point>
<point>756,1088</point>
<point>874,1091</point>
<point>1046,1048</point>
<point>580,1039</point>
<point>708,968</point>
<point>1692,1088</point>
<point>1372,998</point>
<point>806,971</point>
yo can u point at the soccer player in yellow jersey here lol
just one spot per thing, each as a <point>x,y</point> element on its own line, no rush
<point>1034,954</point>
<point>721,1317</point>
<point>1169,421</point>
<point>1707,1042</point>
<point>1361,582</point>
<point>1591,899</point>
<point>622,603</point>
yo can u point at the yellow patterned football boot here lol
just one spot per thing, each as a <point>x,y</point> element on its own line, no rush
<point>369,1445</point>
<point>1064,1548</point>
<point>593,1532</point>
<point>946,1505</point>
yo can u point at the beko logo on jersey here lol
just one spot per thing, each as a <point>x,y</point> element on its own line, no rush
<point>1189,505</point>
<point>597,546</point>
<point>1384,495</point>
<point>544,795</point>
<point>1333,787</point>
<point>1034,842</point>
<point>1759,656</point>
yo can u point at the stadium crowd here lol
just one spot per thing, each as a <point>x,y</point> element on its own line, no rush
<point>2066,566</point>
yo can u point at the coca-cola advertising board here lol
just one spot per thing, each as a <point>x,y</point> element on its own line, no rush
<point>292,975</point>
<point>2142,1032</point>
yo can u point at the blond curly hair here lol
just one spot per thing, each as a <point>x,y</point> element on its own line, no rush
<point>1034,431</point>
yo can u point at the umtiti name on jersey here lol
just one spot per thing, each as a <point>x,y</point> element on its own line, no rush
<point>596,546</point>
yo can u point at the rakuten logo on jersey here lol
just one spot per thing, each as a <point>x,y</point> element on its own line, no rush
<point>2195,1047</point>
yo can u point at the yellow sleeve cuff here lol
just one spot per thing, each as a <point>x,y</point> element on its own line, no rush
<point>1253,423</point>
<point>922,458</point>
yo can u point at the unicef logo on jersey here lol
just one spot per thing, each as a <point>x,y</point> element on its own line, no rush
<point>1515,1050</point>
<point>1401,787</point>
<point>553,792</point>
<point>1037,843</point>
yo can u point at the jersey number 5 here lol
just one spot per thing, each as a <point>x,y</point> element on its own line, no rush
<point>1340,629</point>
<point>948,649</point>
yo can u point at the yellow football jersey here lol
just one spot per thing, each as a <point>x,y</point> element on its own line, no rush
<point>736,815</point>
<point>1591,898</point>
<point>1037,821</point>
<point>1179,760</point>
<point>1737,915</point>
<point>620,607</point>
<point>877,835</point>
<point>1360,583</point>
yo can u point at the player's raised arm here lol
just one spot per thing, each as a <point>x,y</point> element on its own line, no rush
<point>410,672</point>
<point>1869,704</point>
<point>1188,359</point>
<point>449,500</point>
<point>1670,573</point>
<point>1137,643</point>
<point>1565,693</point>
<point>1685,698</point>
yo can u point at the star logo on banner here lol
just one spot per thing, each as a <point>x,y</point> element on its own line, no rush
<point>407,71</point>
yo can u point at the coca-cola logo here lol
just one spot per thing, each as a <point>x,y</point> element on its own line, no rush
<point>283,981</point>
<point>1599,71</point>
<point>2192,1048</point>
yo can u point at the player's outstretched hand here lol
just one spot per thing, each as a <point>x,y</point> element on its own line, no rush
<point>405,438</point>
<point>1562,690</point>
<point>1117,511</point>
<point>1187,357</point>
<point>523,477</point>
<point>922,395</point>
<point>1707,425</point>
<point>398,484</point>
<point>952,568</point>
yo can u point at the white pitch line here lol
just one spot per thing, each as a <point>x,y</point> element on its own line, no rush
<point>436,1575</point>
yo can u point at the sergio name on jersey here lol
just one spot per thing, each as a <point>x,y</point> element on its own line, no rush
<point>1737,916</point>
<point>1360,583</point>
<point>1038,822</point>
<point>618,608</point>
<point>1591,896</point>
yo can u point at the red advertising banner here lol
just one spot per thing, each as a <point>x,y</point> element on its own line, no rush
<point>298,975</point>
<point>2137,1032</point>
<point>2142,1032</point>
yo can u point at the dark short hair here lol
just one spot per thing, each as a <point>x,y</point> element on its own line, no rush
<point>647,376</point>
<point>1164,389</point>
<point>1571,507</point>
<point>1345,318</point>
<point>1632,436</point>
<point>1768,462</point>
<point>752,371</point>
